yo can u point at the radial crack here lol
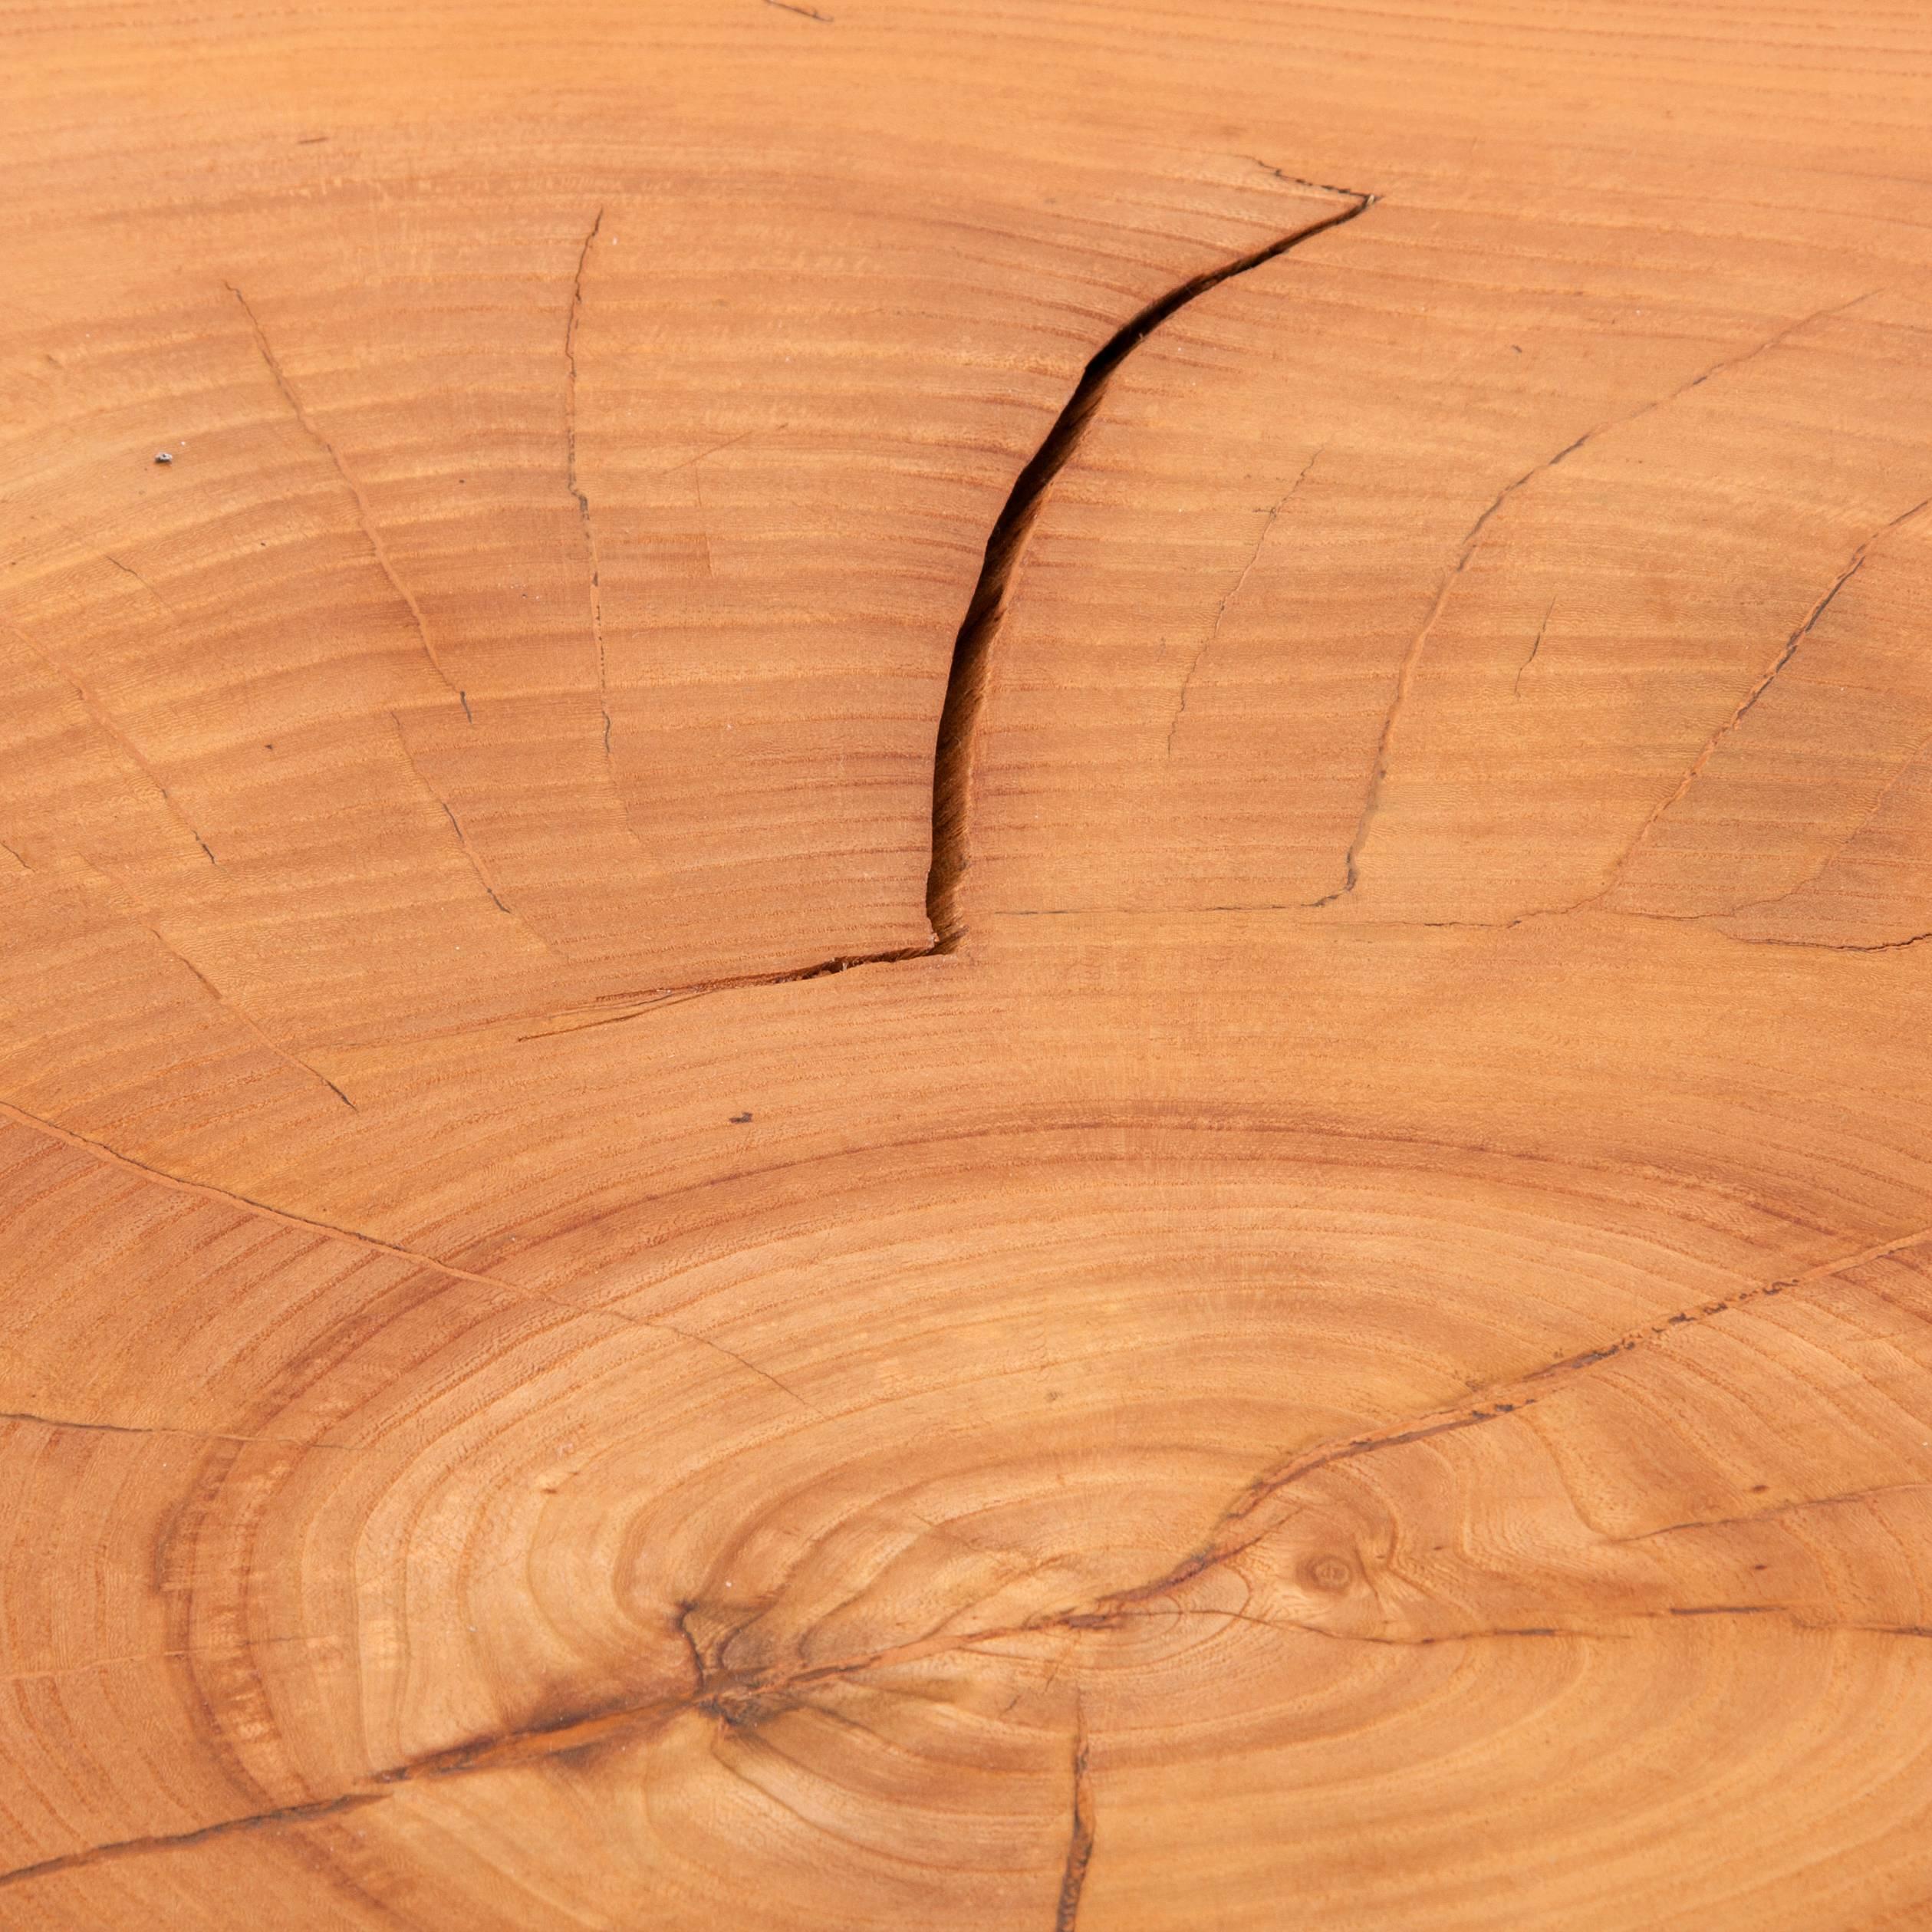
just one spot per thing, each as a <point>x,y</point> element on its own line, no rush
<point>1221,610</point>
<point>572,479</point>
<point>732,1354</point>
<point>164,1429</point>
<point>1472,538</point>
<point>1080,1840</point>
<point>985,610</point>
<point>105,722</point>
<point>483,878</point>
<point>1853,564</point>
<point>247,1021</point>
<point>724,1694</point>
<point>966,685</point>
<point>370,533</point>
<point>227,1197</point>
<point>1516,689</point>
<point>1244,1523</point>
<point>414,1256</point>
<point>135,1848</point>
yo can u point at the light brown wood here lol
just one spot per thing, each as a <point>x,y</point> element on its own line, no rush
<point>1284,1287</point>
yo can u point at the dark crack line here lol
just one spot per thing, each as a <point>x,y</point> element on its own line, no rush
<point>1302,181</point>
<point>732,1354</point>
<point>247,1021</point>
<point>1853,564</point>
<point>717,448</point>
<point>574,483</point>
<point>1796,1619</point>
<point>301,1223</point>
<point>1839,946</point>
<point>164,1429</point>
<point>250,1024</point>
<point>169,1841</point>
<point>133,753</point>
<point>964,702</point>
<point>967,684</point>
<point>726,1697</point>
<point>128,570</point>
<point>1866,821</point>
<point>1080,1840</point>
<point>1780,1510</point>
<point>1411,662</point>
<point>533,1297</point>
<point>476,864</point>
<point>1516,690</point>
<point>630,1005</point>
<point>700,1668</point>
<point>723,1695</point>
<point>1900,945</point>
<point>371,534</point>
<point>1380,1639</point>
<point>1247,1520</point>
<point>1221,610</point>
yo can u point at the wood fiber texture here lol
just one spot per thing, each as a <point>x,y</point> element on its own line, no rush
<point>973,970</point>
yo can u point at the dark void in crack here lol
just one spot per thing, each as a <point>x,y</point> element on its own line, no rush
<point>966,681</point>
<point>965,686</point>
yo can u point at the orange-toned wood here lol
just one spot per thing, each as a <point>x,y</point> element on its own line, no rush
<point>971,970</point>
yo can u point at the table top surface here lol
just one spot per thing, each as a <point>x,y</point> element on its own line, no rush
<point>966,966</point>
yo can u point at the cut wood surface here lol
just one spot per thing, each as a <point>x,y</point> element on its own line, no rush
<point>965,966</point>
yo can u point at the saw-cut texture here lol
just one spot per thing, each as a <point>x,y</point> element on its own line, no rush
<point>969,973</point>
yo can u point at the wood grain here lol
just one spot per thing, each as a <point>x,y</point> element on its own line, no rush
<point>970,971</point>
